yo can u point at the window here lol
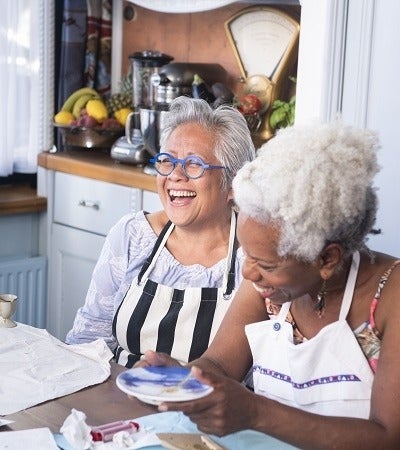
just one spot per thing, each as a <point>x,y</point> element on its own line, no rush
<point>26,83</point>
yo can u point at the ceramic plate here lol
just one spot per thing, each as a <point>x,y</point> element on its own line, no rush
<point>155,385</point>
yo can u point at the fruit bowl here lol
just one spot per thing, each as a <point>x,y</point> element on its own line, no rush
<point>73,137</point>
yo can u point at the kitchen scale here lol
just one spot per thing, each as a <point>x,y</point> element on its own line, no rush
<point>265,43</point>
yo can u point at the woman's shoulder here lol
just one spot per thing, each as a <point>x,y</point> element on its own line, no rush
<point>157,221</point>
<point>385,300</point>
<point>132,229</point>
<point>130,220</point>
<point>141,221</point>
<point>386,267</point>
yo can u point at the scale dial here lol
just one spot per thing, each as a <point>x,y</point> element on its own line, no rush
<point>261,38</point>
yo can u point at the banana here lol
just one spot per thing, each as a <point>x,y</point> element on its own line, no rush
<point>81,103</point>
<point>70,102</point>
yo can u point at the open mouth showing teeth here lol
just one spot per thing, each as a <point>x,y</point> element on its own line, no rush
<point>265,291</point>
<point>179,194</point>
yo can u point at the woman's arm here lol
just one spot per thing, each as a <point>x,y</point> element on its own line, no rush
<point>231,407</point>
<point>230,353</point>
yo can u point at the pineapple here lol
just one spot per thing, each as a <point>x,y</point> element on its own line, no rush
<point>122,99</point>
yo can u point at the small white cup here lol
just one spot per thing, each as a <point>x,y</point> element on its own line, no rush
<point>8,304</point>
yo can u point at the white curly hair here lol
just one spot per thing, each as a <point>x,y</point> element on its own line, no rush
<point>315,183</point>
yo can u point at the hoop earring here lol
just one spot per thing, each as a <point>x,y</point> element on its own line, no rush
<point>319,307</point>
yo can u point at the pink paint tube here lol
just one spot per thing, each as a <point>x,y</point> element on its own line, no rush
<point>106,432</point>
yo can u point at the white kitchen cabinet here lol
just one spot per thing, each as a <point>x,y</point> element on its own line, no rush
<point>83,210</point>
<point>151,201</point>
<point>72,258</point>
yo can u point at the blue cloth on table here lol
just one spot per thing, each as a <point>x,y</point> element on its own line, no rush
<point>177,422</point>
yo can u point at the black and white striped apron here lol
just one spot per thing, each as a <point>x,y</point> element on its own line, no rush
<point>180,322</point>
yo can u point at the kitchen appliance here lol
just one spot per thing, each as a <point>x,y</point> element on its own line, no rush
<point>152,122</point>
<point>176,79</point>
<point>145,72</point>
<point>130,148</point>
<point>146,66</point>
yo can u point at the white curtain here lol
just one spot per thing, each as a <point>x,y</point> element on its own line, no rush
<point>26,83</point>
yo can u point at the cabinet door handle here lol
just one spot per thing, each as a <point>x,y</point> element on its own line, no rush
<point>90,204</point>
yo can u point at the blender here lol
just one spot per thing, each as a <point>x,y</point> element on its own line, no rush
<point>146,67</point>
<point>146,76</point>
<point>143,126</point>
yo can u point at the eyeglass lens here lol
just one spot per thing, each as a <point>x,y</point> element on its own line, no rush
<point>193,167</point>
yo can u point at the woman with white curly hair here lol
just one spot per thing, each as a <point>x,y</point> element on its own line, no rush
<point>317,317</point>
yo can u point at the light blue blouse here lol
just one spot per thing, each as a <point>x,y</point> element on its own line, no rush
<point>126,248</point>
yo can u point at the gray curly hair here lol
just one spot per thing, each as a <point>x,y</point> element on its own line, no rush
<point>233,144</point>
<point>315,183</point>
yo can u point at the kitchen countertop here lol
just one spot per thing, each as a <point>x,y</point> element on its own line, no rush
<point>20,199</point>
<point>99,166</point>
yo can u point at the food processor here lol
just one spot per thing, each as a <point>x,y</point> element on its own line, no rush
<point>130,148</point>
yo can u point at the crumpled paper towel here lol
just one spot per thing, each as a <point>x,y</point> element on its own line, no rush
<point>77,434</point>
<point>76,431</point>
<point>36,367</point>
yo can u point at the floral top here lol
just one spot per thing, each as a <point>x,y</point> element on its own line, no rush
<point>367,335</point>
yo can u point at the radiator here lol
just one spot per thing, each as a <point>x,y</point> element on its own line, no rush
<point>26,278</point>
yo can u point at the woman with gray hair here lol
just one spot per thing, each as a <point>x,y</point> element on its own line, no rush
<point>165,280</point>
<point>317,316</point>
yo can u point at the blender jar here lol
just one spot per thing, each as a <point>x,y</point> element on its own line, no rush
<point>145,69</point>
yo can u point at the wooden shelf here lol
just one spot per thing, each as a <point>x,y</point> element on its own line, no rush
<point>20,199</point>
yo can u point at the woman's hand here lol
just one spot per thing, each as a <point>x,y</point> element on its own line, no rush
<point>151,358</point>
<point>229,408</point>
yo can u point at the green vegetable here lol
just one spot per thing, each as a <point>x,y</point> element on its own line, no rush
<point>282,113</point>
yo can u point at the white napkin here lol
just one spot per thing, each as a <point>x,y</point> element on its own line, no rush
<point>35,439</point>
<point>76,431</point>
<point>35,367</point>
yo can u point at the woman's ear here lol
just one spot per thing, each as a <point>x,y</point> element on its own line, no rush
<point>229,196</point>
<point>330,259</point>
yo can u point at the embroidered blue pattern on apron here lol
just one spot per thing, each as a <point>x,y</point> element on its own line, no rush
<point>327,374</point>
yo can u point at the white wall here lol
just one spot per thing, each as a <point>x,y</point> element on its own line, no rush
<point>371,98</point>
<point>349,62</point>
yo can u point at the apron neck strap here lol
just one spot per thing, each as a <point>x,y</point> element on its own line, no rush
<point>350,284</point>
<point>229,276</point>
<point>159,245</point>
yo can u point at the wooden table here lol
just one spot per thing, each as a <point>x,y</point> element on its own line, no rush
<point>101,403</point>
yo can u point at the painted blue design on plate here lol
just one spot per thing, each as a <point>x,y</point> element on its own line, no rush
<point>154,380</point>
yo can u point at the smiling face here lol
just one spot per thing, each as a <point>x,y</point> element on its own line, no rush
<point>274,277</point>
<point>188,201</point>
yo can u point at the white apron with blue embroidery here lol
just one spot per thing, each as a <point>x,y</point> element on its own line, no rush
<point>327,374</point>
